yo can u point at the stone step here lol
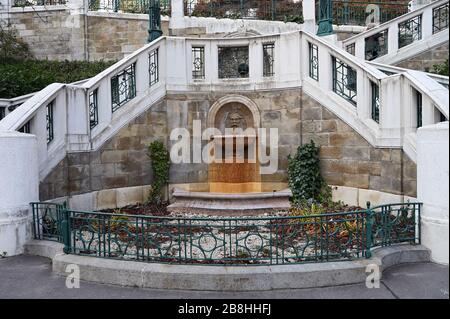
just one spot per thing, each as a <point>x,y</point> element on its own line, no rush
<point>229,204</point>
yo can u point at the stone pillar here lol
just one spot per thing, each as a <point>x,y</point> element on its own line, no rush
<point>177,17</point>
<point>433,188</point>
<point>309,15</point>
<point>19,185</point>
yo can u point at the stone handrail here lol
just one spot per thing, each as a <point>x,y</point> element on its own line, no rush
<point>393,53</point>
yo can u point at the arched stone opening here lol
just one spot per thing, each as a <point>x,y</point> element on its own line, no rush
<point>236,166</point>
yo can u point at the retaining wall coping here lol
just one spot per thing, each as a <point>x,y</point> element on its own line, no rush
<point>226,278</point>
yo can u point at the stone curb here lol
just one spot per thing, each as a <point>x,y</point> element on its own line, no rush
<point>226,278</point>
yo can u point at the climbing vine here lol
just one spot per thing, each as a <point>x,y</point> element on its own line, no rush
<point>305,180</point>
<point>160,160</point>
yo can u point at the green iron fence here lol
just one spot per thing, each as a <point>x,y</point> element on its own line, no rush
<point>351,12</point>
<point>47,219</point>
<point>229,241</point>
<point>127,6</point>
<point>276,10</point>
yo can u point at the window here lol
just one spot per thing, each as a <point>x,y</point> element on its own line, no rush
<point>49,118</point>
<point>233,62</point>
<point>344,80</point>
<point>153,66</point>
<point>123,87</point>
<point>2,113</point>
<point>409,31</point>
<point>314,61</point>
<point>198,62</point>
<point>419,108</point>
<point>26,128</point>
<point>93,108</point>
<point>351,48</point>
<point>376,45</point>
<point>268,59</point>
<point>375,102</point>
<point>440,18</point>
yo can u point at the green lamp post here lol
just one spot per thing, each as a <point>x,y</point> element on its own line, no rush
<point>154,25</point>
<point>325,17</point>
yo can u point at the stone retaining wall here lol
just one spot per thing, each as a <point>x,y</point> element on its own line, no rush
<point>56,34</point>
<point>426,60</point>
<point>346,158</point>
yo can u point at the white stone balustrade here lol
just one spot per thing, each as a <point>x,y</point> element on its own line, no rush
<point>395,54</point>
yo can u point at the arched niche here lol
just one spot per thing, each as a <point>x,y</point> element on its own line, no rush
<point>226,111</point>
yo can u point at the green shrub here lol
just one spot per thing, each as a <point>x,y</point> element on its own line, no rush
<point>21,77</point>
<point>160,166</point>
<point>11,46</point>
<point>441,69</point>
<point>304,176</point>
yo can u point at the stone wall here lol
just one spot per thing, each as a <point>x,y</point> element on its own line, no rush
<point>346,158</point>
<point>121,162</point>
<point>51,34</point>
<point>56,34</point>
<point>112,36</point>
<point>426,60</point>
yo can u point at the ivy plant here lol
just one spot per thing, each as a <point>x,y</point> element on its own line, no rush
<point>305,180</point>
<point>160,160</point>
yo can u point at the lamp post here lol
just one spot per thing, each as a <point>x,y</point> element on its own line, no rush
<point>325,18</point>
<point>154,21</point>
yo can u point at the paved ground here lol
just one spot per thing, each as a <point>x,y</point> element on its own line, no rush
<point>31,277</point>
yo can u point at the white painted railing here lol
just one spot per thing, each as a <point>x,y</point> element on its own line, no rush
<point>430,36</point>
<point>72,131</point>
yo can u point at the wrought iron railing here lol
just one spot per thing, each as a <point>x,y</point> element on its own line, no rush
<point>351,12</point>
<point>127,6</point>
<point>26,3</point>
<point>276,10</point>
<point>230,241</point>
<point>47,219</point>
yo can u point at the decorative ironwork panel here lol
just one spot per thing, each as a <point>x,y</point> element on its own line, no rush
<point>198,62</point>
<point>49,121</point>
<point>375,102</point>
<point>351,48</point>
<point>233,62</point>
<point>313,61</point>
<point>123,87</point>
<point>344,80</point>
<point>153,66</point>
<point>229,241</point>
<point>268,59</point>
<point>440,18</point>
<point>47,218</point>
<point>351,12</point>
<point>409,31</point>
<point>419,108</point>
<point>26,128</point>
<point>93,108</point>
<point>396,223</point>
<point>376,45</point>
<point>128,6</point>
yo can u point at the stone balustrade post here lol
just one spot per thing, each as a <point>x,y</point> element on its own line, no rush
<point>19,185</point>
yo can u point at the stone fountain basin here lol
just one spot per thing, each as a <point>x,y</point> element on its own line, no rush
<point>229,204</point>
